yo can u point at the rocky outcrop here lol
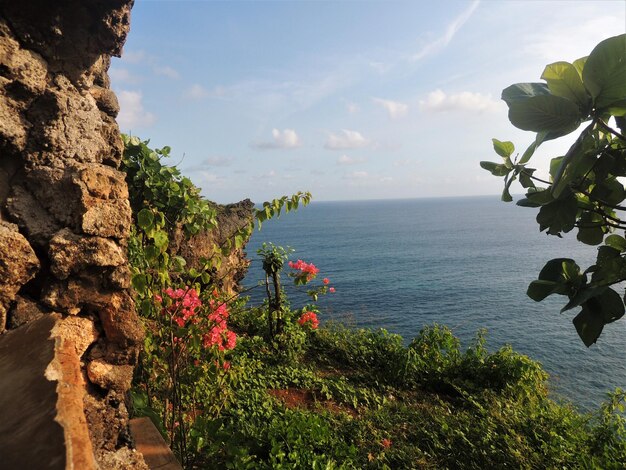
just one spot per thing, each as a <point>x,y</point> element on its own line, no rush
<point>73,338</point>
<point>233,268</point>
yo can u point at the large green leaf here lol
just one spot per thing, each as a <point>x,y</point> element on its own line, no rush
<point>590,229</point>
<point>496,169</point>
<point>523,91</point>
<point>564,81</point>
<point>579,65</point>
<point>558,216</point>
<point>604,74</point>
<point>536,199</point>
<point>617,242</point>
<point>145,219</point>
<point>558,276</point>
<point>545,113</point>
<point>597,312</point>
<point>588,325</point>
<point>504,149</point>
<point>574,163</point>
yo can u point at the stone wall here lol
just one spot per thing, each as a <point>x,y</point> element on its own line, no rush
<point>70,332</point>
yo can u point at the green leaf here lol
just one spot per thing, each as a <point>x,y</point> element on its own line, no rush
<point>582,296</point>
<point>160,239</point>
<point>555,278</point>
<point>588,326</point>
<point>545,113</point>
<point>523,91</point>
<point>506,195</point>
<point>575,163</point>
<point>496,169</point>
<point>590,229</point>
<point>604,74</point>
<point>139,283</point>
<point>152,253</point>
<point>564,81</point>
<point>504,149</point>
<point>597,312</point>
<point>525,178</point>
<point>145,219</point>
<point>528,153</point>
<point>555,164</point>
<point>579,65</point>
<point>617,242</point>
<point>539,290</point>
<point>558,216</point>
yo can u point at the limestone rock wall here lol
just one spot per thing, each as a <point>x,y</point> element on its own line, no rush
<point>65,304</point>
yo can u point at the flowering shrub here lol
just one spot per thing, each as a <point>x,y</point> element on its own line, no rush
<point>303,273</point>
<point>185,362</point>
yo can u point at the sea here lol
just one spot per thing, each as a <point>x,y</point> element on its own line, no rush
<point>462,262</point>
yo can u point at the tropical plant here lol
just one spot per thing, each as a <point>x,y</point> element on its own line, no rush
<point>584,190</point>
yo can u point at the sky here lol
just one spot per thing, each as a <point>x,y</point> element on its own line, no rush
<point>346,99</point>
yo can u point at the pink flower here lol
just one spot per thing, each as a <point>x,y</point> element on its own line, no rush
<point>325,280</point>
<point>308,271</point>
<point>310,318</point>
<point>226,365</point>
<point>331,290</point>
<point>386,443</point>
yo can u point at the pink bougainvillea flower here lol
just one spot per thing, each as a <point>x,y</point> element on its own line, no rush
<point>325,280</point>
<point>308,271</point>
<point>331,290</point>
<point>226,365</point>
<point>310,318</point>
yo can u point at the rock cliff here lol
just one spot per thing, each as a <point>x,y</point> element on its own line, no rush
<point>73,336</point>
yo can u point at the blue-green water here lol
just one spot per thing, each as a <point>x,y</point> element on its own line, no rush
<point>462,262</point>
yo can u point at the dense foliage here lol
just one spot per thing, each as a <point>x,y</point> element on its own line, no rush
<point>233,386</point>
<point>585,190</point>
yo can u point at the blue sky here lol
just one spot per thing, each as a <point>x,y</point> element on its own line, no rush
<point>346,99</point>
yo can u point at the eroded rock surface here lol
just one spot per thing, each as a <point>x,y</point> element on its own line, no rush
<point>64,224</point>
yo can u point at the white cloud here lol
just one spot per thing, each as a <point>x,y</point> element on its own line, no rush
<point>441,42</point>
<point>167,71</point>
<point>386,179</point>
<point>286,139</point>
<point>196,92</point>
<point>347,160</point>
<point>132,113</point>
<point>573,37</point>
<point>438,101</point>
<point>405,162</point>
<point>346,139</point>
<point>395,109</point>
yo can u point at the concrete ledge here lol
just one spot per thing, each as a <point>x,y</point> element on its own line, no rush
<point>150,443</point>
